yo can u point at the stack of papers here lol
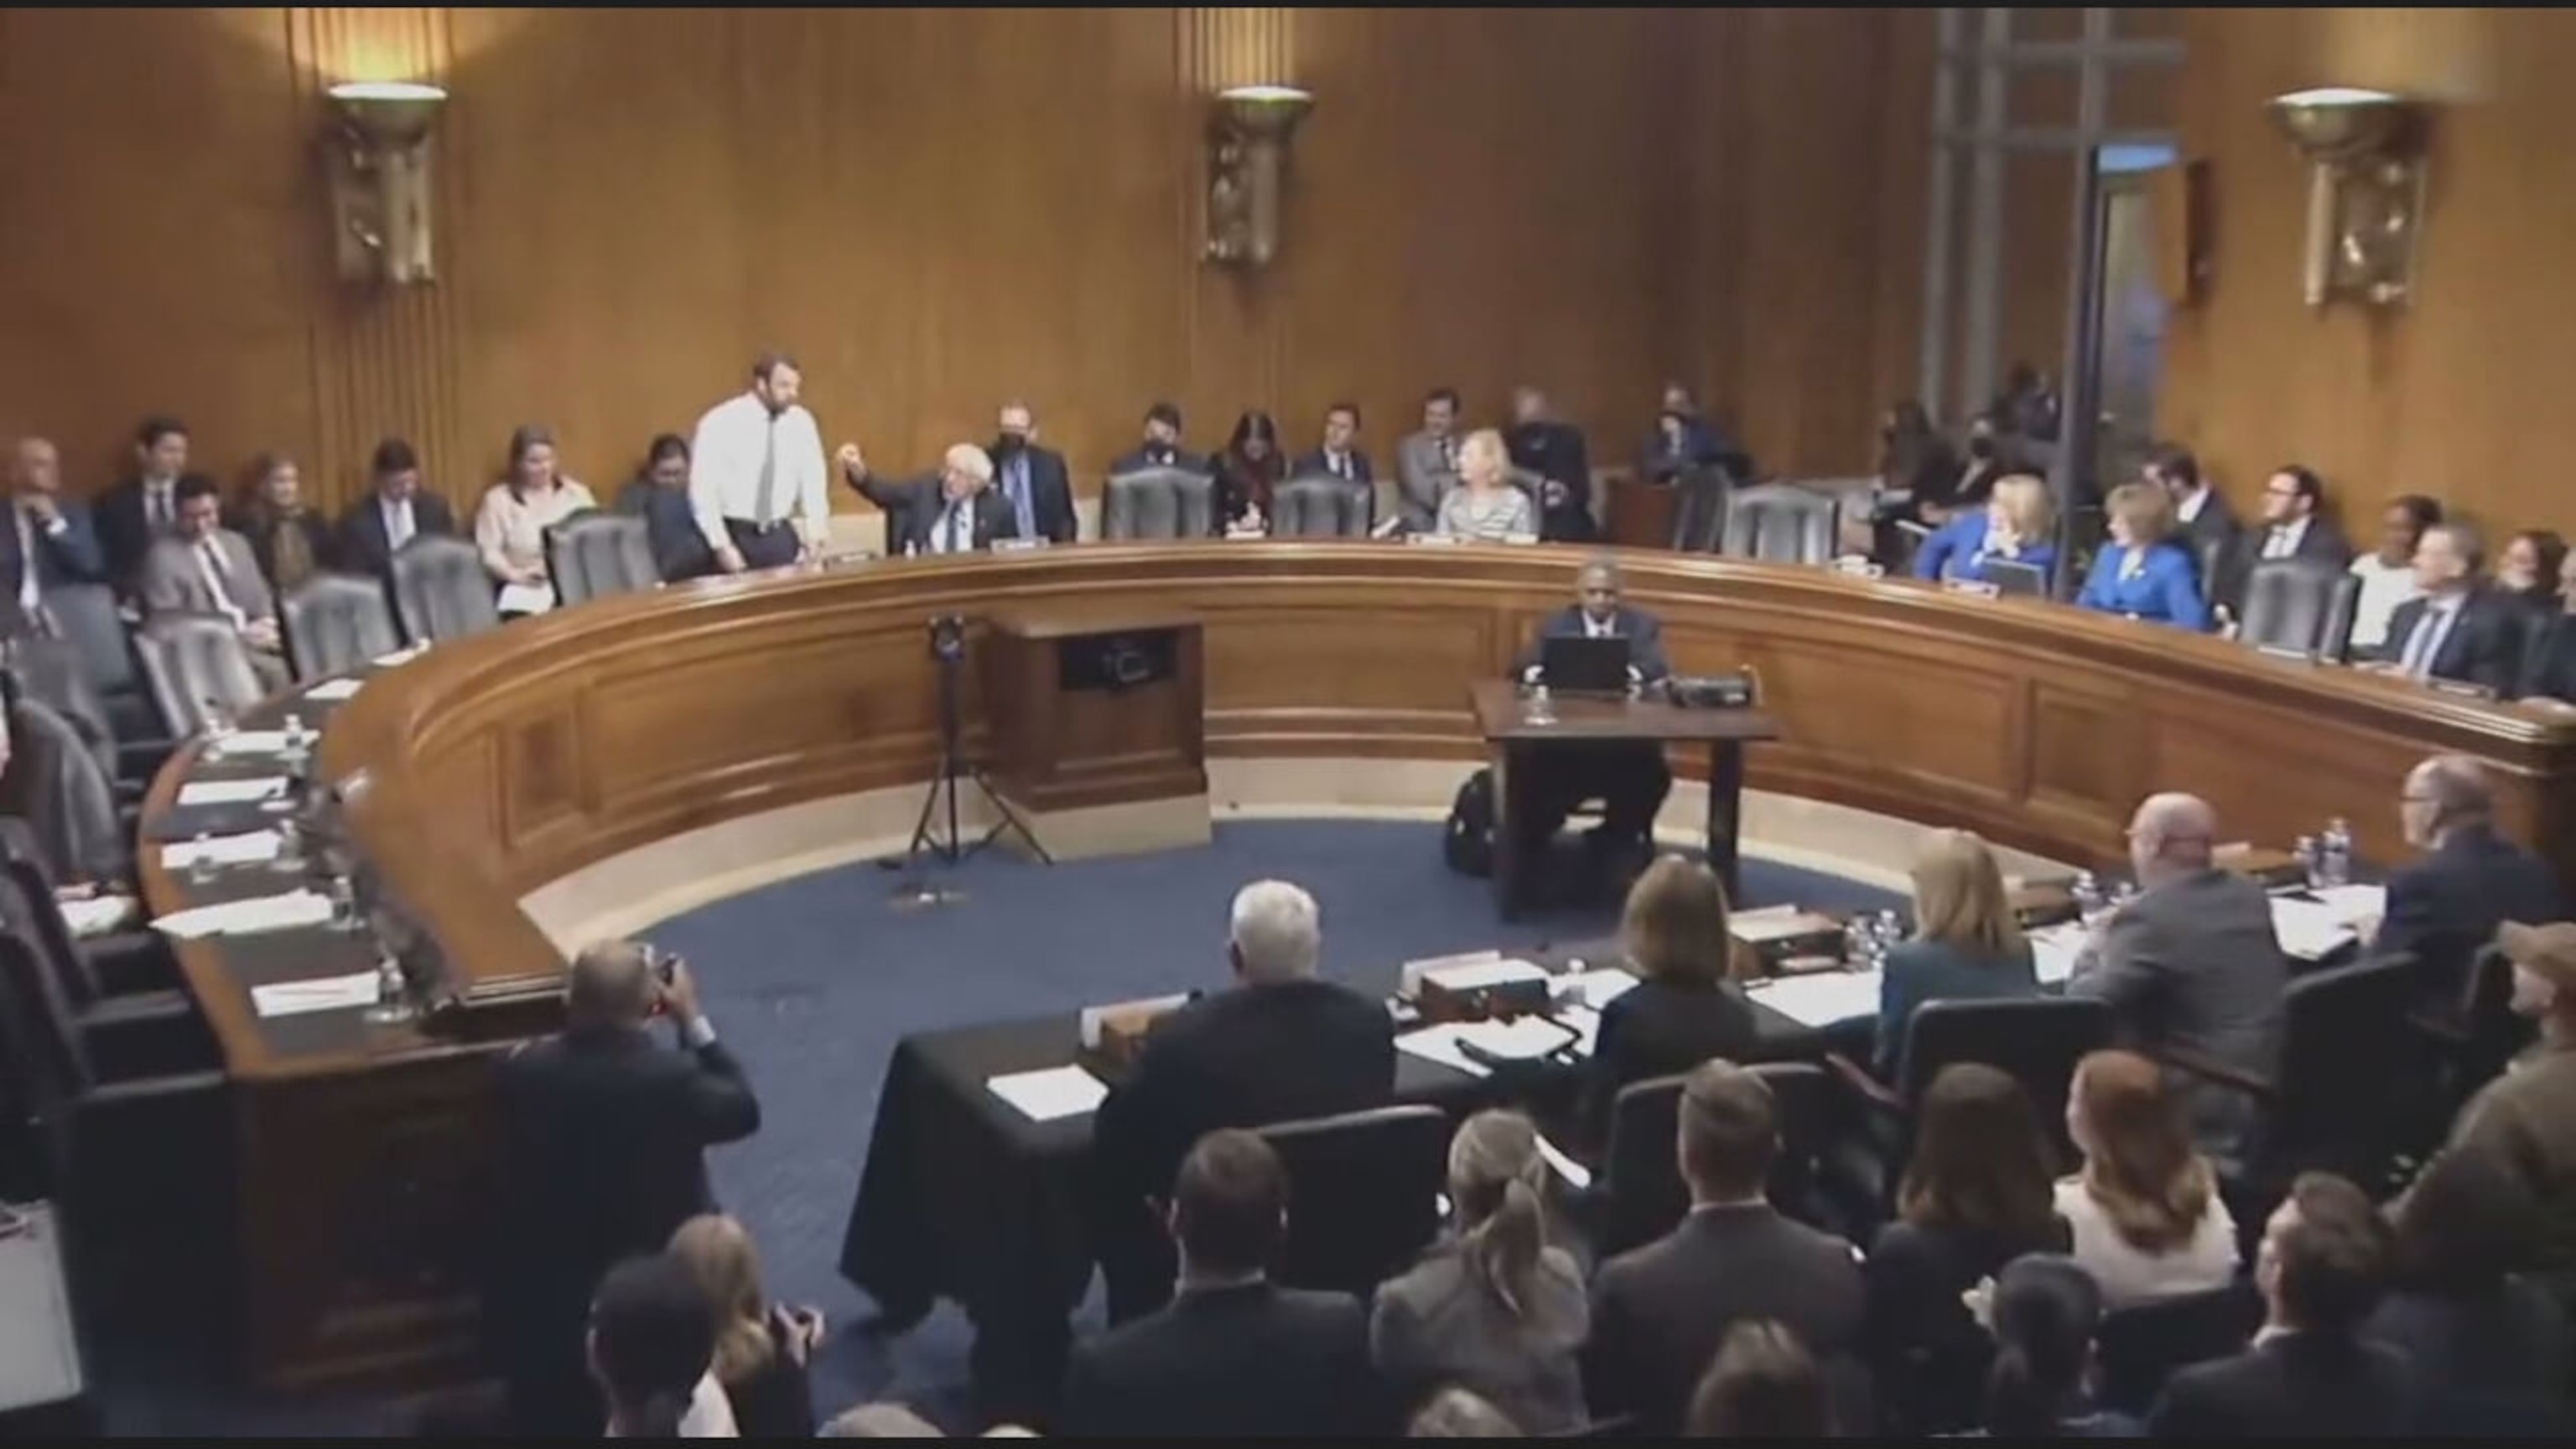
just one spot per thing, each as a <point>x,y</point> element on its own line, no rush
<point>2308,930</point>
<point>99,915</point>
<point>1051,1093</point>
<point>256,848</point>
<point>328,993</point>
<point>525,598</point>
<point>2354,904</point>
<point>2053,950</point>
<point>1526,1039</point>
<point>332,691</point>
<point>291,911</point>
<point>1821,999</point>
<point>231,792</point>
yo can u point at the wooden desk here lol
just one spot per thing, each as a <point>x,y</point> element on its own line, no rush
<point>1503,718</point>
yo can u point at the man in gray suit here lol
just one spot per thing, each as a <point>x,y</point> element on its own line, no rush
<point>1426,463</point>
<point>203,567</point>
<point>2191,964</point>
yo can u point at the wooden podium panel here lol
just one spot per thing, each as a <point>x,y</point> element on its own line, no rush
<point>1095,709</point>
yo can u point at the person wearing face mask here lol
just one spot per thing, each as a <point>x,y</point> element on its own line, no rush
<point>1966,487</point>
<point>660,496</point>
<point>1031,479</point>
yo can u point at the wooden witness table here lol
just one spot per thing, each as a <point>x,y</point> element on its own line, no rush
<point>498,764</point>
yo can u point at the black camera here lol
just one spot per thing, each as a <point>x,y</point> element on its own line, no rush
<point>947,638</point>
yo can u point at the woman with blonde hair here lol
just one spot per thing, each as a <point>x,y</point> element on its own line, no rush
<point>1499,1311</point>
<point>1966,944</point>
<point>2147,1219</point>
<point>1683,1009</point>
<point>761,1348</point>
<point>2016,525</point>
<point>1487,505</point>
<point>2142,572</point>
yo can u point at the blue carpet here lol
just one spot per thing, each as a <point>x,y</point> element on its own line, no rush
<point>813,980</point>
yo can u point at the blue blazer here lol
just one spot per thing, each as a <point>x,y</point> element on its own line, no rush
<point>1954,550</point>
<point>2166,592</point>
<point>1923,971</point>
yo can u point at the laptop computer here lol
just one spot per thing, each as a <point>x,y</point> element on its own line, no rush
<point>2013,579</point>
<point>1580,664</point>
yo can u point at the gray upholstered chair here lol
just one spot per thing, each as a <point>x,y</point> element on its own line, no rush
<point>335,622</point>
<point>593,554</point>
<point>2301,606</point>
<point>1322,506</point>
<point>441,590</point>
<point>1780,523</point>
<point>198,667</point>
<point>86,615</point>
<point>1159,503</point>
<point>1699,509</point>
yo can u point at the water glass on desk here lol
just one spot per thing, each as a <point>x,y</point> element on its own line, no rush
<point>1535,706</point>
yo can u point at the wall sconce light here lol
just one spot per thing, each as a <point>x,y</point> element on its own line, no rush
<point>2365,191</point>
<point>380,197</point>
<point>1247,151</point>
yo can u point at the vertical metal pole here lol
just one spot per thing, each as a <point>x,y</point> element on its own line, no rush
<point>1986,215</point>
<point>2080,387</point>
<point>1932,363</point>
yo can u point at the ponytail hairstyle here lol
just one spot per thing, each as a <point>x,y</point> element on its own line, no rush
<point>2045,1312</point>
<point>652,1336</point>
<point>720,1253</point>
<point>1496,1177</point>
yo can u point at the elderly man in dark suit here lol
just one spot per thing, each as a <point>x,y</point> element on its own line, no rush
<point>2457,628</point>
<point>51,540</point>
<point>393,513</point>
<point>953,511</point>
<point>1555,450</point>
<point>1031,479</point>
<point>1630,779</point>
<point>2444,908</point>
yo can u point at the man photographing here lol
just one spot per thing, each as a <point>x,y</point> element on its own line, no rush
<point>756,473</point>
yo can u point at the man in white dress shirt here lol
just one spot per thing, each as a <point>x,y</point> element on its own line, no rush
<point>756,473</point>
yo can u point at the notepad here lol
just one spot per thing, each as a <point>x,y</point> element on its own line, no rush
<point>525,598</point>
<point>98,915</point>
<point>255,848</point>
<point>1596,988</point>
<point>287,912</point>
<point>2053,950</point>
<point>2308,930</point>
<point>231,792</point>
<point>331,691</point>
<point>1821,999</point>
<point>324,993</point>
<point>1051,1093</point>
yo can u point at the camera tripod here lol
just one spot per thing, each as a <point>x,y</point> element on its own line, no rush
<point>939,832</point>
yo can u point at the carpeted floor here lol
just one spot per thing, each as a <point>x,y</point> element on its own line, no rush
<point>812,981</point>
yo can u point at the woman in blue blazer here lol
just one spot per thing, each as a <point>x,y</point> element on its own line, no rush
<point>2016,524</point>
<point>2142,572</point>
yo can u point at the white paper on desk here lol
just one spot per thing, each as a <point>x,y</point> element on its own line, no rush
<point>1472,976</point>
<point>401,656</point>
<point>1821,999</point>
<point>1093,1016</point>
<point>249,742</point>
<point>1576,1175</point>
<point>2354,904</point>
<point>2309,931</point>
<point>241,918</point>
<point>1598,987</point>
<point>1526,1039</point>
<point>1586,1025</point>
<point>1439,1046</point>
<point>2053,950</point>
<point>326,993</point>
<point>332,691</point>
<point>1050,1093</point>
<point>231,792</point>
<point>97,915</point>
<point>525,598</point>
<point>255,848</point>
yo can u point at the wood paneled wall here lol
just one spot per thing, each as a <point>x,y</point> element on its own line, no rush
<point>940,208</point>
<point>2464,394</point>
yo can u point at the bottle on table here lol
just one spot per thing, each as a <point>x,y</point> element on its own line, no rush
<point>2334,854</point>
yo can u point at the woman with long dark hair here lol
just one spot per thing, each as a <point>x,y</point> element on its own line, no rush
<point>1249,469</point>
<point>2045,1311</point>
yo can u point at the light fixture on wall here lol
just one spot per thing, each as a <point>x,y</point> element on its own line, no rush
<point>1247,153</point>
<point>379,152</point>
<point>2365,191</point>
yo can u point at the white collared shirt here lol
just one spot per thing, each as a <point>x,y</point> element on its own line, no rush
<point>952,529</point>
<point>160,506</point>
<point>399,524</point>
<point>27,595</point>
<point>1600,628</point>
<point>210,562</point>
<point>2188,507</point>
<point>724,469</point>
<point>2284,539</point>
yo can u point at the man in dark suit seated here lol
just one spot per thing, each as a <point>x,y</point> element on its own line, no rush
<point>144,505</point>
<point>660,496</point>
<point>1234,1355</point>
<point>1683,438</point>
<point>1031,479</point>
<point>2310,1373</point>
<point>1659,1312</point>
<point>2444,908</point>
<point>1340,455</point>
<point>1629,777</point>
<point>602,1158</point>
<point>955,512</point>
<point>393,513</point>
<point>1161,447</point>
<point>2458,629</point>
<point>51,539</point>
<point>1281,1046</point>
<point>2203,522</point>
<point>1556,452</point>
<point>2294,526</point>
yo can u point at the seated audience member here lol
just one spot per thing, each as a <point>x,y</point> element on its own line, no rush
<point>206,568</point>
<point>886,1421</point>
<point>1234,1354</point>
<point>1684,1009</point>
<point>2490,1349</point>
<point>1966,944</point>
<point>601,1156</point>
<point>660,496</point>
<point>143,507</point>
<point>1555,451</point>
<point>2046,1310</point>
<point>2310,1373</point>
<point>1660,1312</point>
<point>652,1347</point>
<point>1976,1196</point>
<point>1970,483</point>
<point>1032,479</point>
<point>288,539</point>
<point>394,511</point>
<point>1497,1310</point>
<point>1914,458</point>
<point>2387,573</point>
<point>2525,1120</point>
<point>1249,470</point>
<point>52,540</point>
<point>1763,1385</point>
<point>1339,455</point>
<point>1683,437</point>
<point>2444,908</point>
<point>1282,1045</point>
<point>1630,778</point>
<point>1161,447</point>
<point>955,512</point>
<point>2294,525</point>
<point>1426,463</point>
<point>1454,1413</point>
<point>1486,505</point>
<point>2201,517</point>
<point>761,1348</point>
<point>2528,569</point>
<point>2549,658</point>
<point>510,526</point>
<point>2014,524</point>
<point>2144,572</point>
<point>2144,1212</point>
<point>2458,628</point>
<point>2191,963</point>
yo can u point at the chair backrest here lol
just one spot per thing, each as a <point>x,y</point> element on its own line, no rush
<point>2496,1033</point>
<point>2209,556</point>
<point>198,666</point>
<point>63,798</point>
<point>1699,509</point>
<point>28,906</point>
<point>1322,506</point>
<point>2303,604</point>
<point>1804,1096</point>
<point>441,590</point>
<point>1158,503</point>
<point>2138,1348</point>
<point>1363,1195</point>
<point>593,554</point>
<point>334,622</point>
<point>1642,1169</point>
<point>87,616</point>
<point>2034,1040</point>
<point>2351,1063</point>
<point>1780,523</point>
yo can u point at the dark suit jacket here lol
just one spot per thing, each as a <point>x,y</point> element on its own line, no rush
<point>2549,659</point>
<point>2320,542</point>
<point>679,546</point>
<point>2446,906</point>
<point>1050,493</point>
<point>361,546</point>
<point>1658,1029</point>
<point>124,535</point>
<point>1312,465</point>
<point>1927,1354</point>
<point>1643,631</point>
<point>2485,645</point>
<point>69,554</point>
<point>2217,522</point>
<point>2493,1361</point>
<point>262,529</point>
<point>2299,1386</point>
<point>914,510</point>
<point>1253,1361</point>
<point>1556,451</point>
<point>1659,1312</point>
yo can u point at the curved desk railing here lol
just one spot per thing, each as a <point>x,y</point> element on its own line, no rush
<point>499,763</point>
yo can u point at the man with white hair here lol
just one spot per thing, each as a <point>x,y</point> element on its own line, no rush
<point>954,511</point>
<point>1282,1045</point>
<point>2444,908</point>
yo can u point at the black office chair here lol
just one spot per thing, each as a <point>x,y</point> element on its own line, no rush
<point>593,554</point>
<point>2476,1043</point>
<point>2301,606</point>
<point>2209,557</point>
<point>2136,1349</point>
<point>122,992</point>
<point>1640,1195</point>
<point>198,668</point>
<point>1699,509</point>
<point>1320,505</point>
<point>1158,503</point>
<point>86,615</point>
<point>441,590</point>
<point>1363,1195</point>
<point>1780,523</point>
<point>54,784</point>
<point>334,623</point>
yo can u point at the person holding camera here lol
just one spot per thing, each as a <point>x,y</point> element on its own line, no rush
<point>604,1132</point>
